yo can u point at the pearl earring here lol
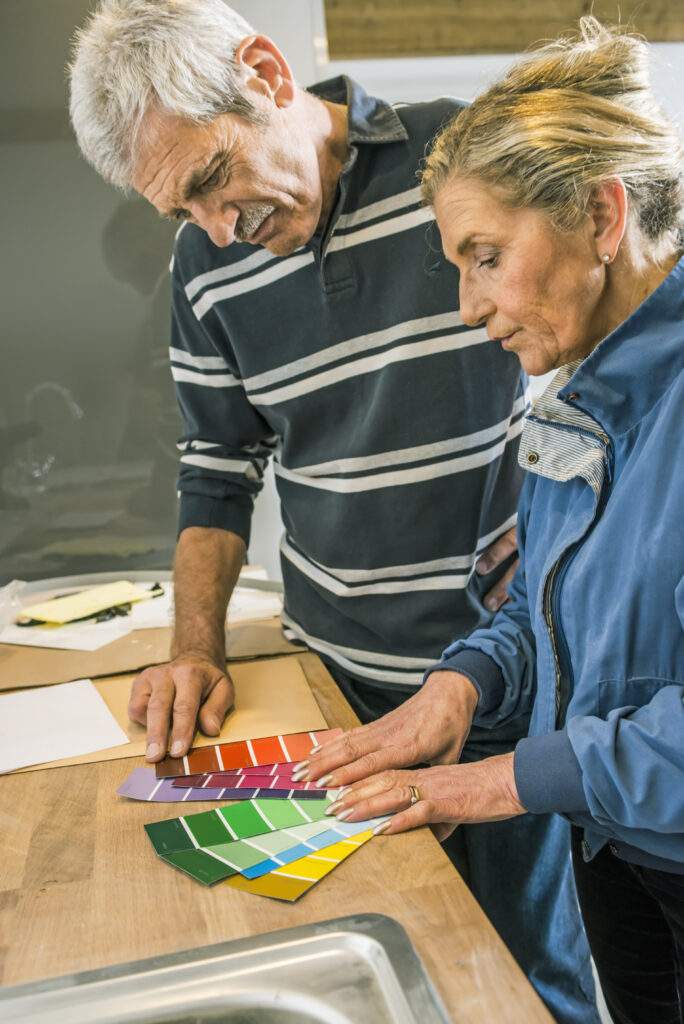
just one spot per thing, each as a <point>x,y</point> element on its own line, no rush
<point>606,257</point>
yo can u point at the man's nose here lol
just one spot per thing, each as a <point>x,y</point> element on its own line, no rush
<point>218,220</point>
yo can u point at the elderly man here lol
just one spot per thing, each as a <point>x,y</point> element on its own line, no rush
<point>314,319</point>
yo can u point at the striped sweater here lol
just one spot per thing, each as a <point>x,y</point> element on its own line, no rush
<point>394,428</point>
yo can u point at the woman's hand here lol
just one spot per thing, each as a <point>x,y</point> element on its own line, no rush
<point>431,726</point>
<point>447,796</point>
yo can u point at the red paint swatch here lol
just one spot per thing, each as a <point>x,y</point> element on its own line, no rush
<point>230,780</point>
<point>244,753</point>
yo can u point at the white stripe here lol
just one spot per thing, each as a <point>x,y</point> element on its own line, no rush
<point>249,284</point>
<point>185,764</point>
<point>354,346</point>
<point>187,829</point>
<point>250,748</point>
<point>261,813</point>
<point>298,878</point>
<point>211,853</point>
<point>226,273</point>
<point>379,209</point>
<point>464,562</point>
<point>151,796</point>
<point>219,758</point>
<point>379,675</point>
<point>223,821</point>
<point>190,446</point>
<point>285,750</point>
<point>382,230</point>
<point>261,849</point>
<point>371,364</point>
<point>207,380</point>
<point>303,813</point>
<point>365,657</point>
<point>330,860</point>
<point>178,355</point>
<point>186,794</point>
<point>419,453</point>
<point>340,589</point>
<point>224,465</point>
<point>402,477</point>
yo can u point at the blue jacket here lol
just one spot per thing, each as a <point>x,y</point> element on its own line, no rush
<point>593,639</point>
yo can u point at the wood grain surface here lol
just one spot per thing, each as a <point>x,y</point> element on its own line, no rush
<point>421,28</point>
<point>81,887</point>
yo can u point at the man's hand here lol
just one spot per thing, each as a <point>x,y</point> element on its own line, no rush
<point>430,726</point>
<point>495,554</point>
<point>447,796</point>
<point>179,695</point>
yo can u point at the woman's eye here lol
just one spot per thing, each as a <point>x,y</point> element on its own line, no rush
<point>490,261</point>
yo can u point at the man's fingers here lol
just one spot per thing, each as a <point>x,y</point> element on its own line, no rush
<point>215,708</point>
<point>185,709</point>
<point>497,552</point>
<point>158,717</point>
<point>498,595</point>
<point>140,695</point>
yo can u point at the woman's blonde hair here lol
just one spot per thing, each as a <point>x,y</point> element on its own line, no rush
<point>564,118</point>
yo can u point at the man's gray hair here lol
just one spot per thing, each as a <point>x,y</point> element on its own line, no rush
<point>131,54</point>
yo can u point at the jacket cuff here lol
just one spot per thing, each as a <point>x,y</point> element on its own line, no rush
<point>481,670</point>
<point>233,514</point>
<point>548,775</point>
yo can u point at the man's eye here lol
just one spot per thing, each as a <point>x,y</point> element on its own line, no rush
<point>491,261</point>
<point>214,179</point>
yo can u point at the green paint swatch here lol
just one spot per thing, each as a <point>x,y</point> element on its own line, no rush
<point>172,841</point>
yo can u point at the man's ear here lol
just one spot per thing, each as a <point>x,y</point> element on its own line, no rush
<point>608,209</point>
<point>267,72</point>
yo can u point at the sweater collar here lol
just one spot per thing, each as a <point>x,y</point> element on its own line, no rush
<point>368,118</point>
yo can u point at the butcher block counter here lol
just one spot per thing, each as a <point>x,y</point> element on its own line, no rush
<point>81,888</point>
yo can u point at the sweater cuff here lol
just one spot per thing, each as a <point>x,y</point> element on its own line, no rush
<point>481,670</point>
<point>548,775</point>
<point>233,514</point>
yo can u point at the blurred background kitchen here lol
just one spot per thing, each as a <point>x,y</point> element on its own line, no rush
<point>88,419</point>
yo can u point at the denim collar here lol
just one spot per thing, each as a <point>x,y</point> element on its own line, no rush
<point>368,119</point>
<point>630,370</point>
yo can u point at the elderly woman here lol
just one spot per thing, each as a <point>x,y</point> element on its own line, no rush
<point>558,196</point>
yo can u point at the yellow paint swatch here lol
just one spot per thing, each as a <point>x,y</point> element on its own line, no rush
<point>293,880</point>
<point>86,602</point>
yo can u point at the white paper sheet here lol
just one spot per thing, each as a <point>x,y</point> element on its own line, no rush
<point>74,636</point>
<point>52,722</point>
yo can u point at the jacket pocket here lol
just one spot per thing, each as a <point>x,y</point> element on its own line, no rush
<point>632,693</point>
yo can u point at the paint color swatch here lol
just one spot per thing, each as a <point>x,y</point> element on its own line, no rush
<point>244,753</point>
<point>225,824</point>
<point>238,780</point>
<point>295,879</point>
<point>251,856</point>
<point>143,784</point>
<point>281,768</point>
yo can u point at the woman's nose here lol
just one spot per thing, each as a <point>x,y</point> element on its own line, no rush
<point>474,306</point>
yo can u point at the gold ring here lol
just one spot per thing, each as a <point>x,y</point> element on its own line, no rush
<point>415,795</point>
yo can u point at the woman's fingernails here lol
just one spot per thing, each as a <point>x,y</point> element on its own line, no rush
<point>343,815</point>
<point>331,808</point>
<point>299,775</point>
<point>300,766</point>
<point>382,827</point>
<point>323,782</point>
<point>314,750</point>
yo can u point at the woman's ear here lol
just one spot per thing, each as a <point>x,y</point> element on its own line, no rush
<point>608,209</point>
<point>267,72</point>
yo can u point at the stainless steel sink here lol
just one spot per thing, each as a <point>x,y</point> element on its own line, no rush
<point>351,970</point>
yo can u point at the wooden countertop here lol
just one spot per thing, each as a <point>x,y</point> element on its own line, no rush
<point>81,887</point>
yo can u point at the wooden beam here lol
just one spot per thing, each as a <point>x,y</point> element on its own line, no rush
<point>413,28</point>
